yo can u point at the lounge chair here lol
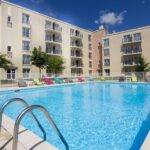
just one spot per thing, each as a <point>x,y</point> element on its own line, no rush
<point>22,83</point>
<point>47,81</point>
<point>121,79</point>
<point>102,78</point>
<point>134,79</point>
<point>37,82</point>
<point>58,80</point>
<point>81,79</point>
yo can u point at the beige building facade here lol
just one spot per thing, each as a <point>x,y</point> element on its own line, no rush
<point>121,51</point>
<point>22,29</point>
<point>84,52</point>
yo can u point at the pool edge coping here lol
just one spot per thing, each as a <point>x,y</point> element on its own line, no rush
<point>28,135</point>
<point>3,89</point>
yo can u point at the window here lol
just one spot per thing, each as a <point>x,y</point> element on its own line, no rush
<point>127,38</point>
<point>127,49</point>
<point>137,37</point>
<point>106,62</point>
<point>26,45</point>
<point>90,72</point>
<point>90,46</point>
<point>71,31</point>
<point>26,72</point>
<point>89,38</point>
<point>90,64</point>
<point>90,55</point>
<point>107,72</point>
<point>9,19</point>
<point>127,61</point>
<point>106,42</point>
<point>106,52</point>
<point>137,48</point>
<point>9,53</point>
<point>9,22</point>
<point>26,59</point>
<point>26,32</point>
<point>48,24</point>
<point>25,19</point>
<point>8,48</point>
<point>11,74</point>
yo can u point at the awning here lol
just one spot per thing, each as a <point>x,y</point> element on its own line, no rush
<point>12,67</point>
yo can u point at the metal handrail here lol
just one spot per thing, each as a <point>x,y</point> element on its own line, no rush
<point>26,105</point>
<point>29,109</point>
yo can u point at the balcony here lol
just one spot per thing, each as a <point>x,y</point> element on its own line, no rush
<point>131,52</point>
<point>76,54</point>
<point>53,28</point>
<point>76,35</point>
<point>131,39</point>
<point>76,64</point>
<point>76,71</point>
<point>9,24</point>
<point>76,45</point>
<point>54,52</point>
<point>50,39</point>
<point>106,64</point>
<point>130,64</point>
<point>9,54</point>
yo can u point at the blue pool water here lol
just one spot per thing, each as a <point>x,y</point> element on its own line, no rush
<point>93,116</point>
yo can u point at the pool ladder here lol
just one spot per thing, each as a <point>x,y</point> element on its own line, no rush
<point>23,113</point>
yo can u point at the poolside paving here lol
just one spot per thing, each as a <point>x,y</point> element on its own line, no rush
<point>26,139</point>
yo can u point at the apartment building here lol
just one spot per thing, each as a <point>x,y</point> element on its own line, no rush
<point>84,52</point>
<point>22,29</point>
<point>121,51</point>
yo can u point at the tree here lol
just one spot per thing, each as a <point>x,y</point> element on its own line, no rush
<point>4,62</point>
<point>55,64</point>
<point>39,59</point>
<point>143,65</point>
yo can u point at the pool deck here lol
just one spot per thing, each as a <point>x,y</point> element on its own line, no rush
<point>28,139</point>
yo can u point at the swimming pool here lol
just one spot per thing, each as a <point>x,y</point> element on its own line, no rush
<point>91,116</point>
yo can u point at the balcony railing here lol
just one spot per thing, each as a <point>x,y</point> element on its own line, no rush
<point>53,28</point>
<point>79,35</point>
<point>76,55</point>
<point>131,40</point>
<point>50,39</point>
<point>131,52</point>
<point>76,45</point>
<point>76,65</point>
<point>9,24</point>
<point>106,64</point>
<point>54,52</point>
<point>130,63</point>
<point>9,54</point>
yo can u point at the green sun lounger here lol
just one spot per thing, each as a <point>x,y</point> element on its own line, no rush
<point>37,82</point>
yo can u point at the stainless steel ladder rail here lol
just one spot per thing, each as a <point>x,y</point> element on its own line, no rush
<point>50,120</point>
<point>26,105</point>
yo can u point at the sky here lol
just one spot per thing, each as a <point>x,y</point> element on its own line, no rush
<point>117,15</point>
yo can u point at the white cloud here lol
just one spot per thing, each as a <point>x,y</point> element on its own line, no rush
<point>110,18</point>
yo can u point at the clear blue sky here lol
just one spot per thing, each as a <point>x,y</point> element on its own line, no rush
<point>90,14</point>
